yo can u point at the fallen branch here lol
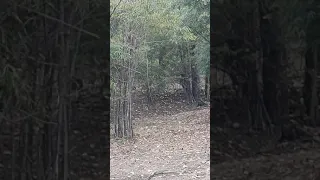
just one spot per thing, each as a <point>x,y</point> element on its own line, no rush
<point>159,173</point>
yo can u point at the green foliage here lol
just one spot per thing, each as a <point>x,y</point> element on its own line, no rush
<point>162,27</point>
<point>202,51</point>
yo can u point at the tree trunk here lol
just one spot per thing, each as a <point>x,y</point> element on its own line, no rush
<point>185,75</point>
<point>257,112</point>
<point>275,70</point>
<point>207,87</point>
<point>307,88</point>
<point>123,122</point>
<point>161,56</point>
<point>310,85</point>
<point>195,84</point>
<point>314,93</point>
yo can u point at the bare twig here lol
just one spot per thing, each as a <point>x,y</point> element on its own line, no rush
<point>115,8</point>
<point>159,173</point>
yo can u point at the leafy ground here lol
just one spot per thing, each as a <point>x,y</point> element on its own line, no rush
<point>300,165</point>
<point>166,147</point>
<point>172,142</point>
<point>243,156</point>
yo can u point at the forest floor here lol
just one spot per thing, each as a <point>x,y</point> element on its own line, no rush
<point>236,155</point>
<point>172,143</point>
<point>165,147</point>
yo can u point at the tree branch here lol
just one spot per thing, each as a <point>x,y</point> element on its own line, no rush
<point>114,9</point>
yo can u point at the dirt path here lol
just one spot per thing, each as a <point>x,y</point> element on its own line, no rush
<point>166,147</point>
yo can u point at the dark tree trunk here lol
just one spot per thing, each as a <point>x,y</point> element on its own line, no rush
<point>195,79</point>
<point>310,91</point>
<point>207,87</point>
<point>275,71</point>
<point>195,85</point>
<point>186,75</point>
<point>255,71</point>
<point>310,88</point>
<point>161,56</point>
<point>308,79</point>
<point>186,85</point>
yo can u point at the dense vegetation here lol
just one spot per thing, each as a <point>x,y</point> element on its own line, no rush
<point>257,44</point>
<point>155,44</point>
<point>54,83</point>
<point>54,62</point>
